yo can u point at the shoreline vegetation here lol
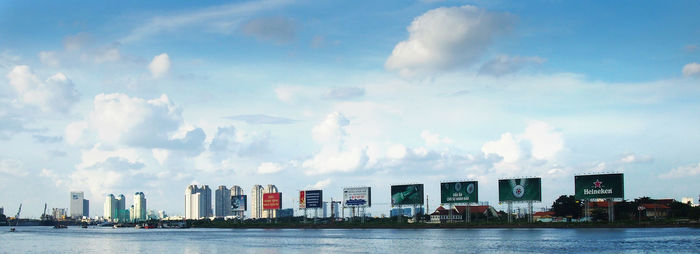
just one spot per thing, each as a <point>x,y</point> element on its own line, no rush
<point>456,225</point>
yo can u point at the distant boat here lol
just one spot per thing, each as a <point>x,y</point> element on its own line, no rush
<point>60,226</point>
<point>12,229</point>
<point>84,226</point>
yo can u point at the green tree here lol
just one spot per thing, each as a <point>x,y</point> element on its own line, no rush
<point>567,206</point>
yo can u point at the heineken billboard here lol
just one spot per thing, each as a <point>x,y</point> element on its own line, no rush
<point>459,192</point>
<point>410,194</point>
<point>599,186</point>
<point>515,190</point>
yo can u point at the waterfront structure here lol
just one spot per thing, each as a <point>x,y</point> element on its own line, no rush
<point>197,202</point>
<point>285,213</point>
<point>110,208</point>
<point>58,213</point>
<point>256,211</point>
<point>236,191</point>
<point>222,198</point>
<point>77,203</point>
<point>139,207</point>
<point>269,213</point>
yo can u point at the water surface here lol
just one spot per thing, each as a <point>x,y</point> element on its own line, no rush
<point>129,240</point>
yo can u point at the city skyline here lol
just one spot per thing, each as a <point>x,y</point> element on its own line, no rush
<point>108,98</point>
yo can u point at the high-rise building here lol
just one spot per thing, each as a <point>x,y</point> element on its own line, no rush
<point>76,204</point>
<point>121,212</point>
<point>131,213</point>
<point>237,191</point>
<point>222,202</point>
<point>270,213</point>
<point>86,208</point>
<point>206,198</point>
<point>256,211</point>
<point>197,202</point>
<point>110,210</point>
<point>140,207</point>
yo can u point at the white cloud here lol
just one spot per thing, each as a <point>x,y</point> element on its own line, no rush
<point>545,140</point>
<point>269,168</point>
<point>683,171</point>
<point>117,119</point>
<point>532,150</point>
<point>49,58</point>
<point>293,94</point>
<point>503,65</point>
<point>636,158</point>
<point>506,147</point>
<point>332,129</point>
<point>344,93</point>
<point>12,167</point>
<point>218,19</point>
<point>434,139</point>
<point>691,69</point>
<point>446,38</point>
<point>160,65</point>
<point>109,53</point>
<point>335,155</point>
<point>56,94</point>
<point>275,29</point>
<point>320,185</point>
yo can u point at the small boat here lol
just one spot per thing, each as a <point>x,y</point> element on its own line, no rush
<point>12,229</point>
<point>137,226</point>
<point>114,226</point>
<point>84,226</point>
<point>60,226</point>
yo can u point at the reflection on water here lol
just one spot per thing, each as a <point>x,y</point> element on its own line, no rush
<point>128,240</point>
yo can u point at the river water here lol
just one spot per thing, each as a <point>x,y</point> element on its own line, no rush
<point>129,240</point>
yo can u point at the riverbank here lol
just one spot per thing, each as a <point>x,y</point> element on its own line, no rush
<point>282,225</point>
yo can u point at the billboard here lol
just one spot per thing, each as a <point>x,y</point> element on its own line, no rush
<point>239,203</point>
<point>599,186</point>
<point>357,197</point>
<point>525,189</point>
<point>459,192</point>
<point>272,201</point>
<point>410,194</point>
<point>311,199</point>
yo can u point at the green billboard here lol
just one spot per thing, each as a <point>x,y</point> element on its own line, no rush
<point>459,192</point>
<point>409,194</point>
<point>525,189</point>
<point>599,186</point>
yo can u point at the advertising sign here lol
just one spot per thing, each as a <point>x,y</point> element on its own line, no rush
<point>410,194</point>
<point>302,199</point>
<point>357,197</point>
<point>526,189</point>
<point>599,186</point>
<point>459,192</point>
<point>272,201</point>
<point>239,203</point>
<point>314,199</point>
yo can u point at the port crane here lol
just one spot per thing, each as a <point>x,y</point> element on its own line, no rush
<point>12,229</point>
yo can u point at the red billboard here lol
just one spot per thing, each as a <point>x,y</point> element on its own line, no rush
<point>272,201</point>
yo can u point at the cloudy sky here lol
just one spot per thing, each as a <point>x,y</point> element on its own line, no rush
<point>127,96</point>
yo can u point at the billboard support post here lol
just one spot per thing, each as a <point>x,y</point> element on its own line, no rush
<point>510,211</point>
<point>450,213</point>
<point>611,210</point>
<point>468,214</point>
<point>530,218</point>
<point>363,215</point>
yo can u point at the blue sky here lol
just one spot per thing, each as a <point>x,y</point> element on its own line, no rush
<point>121,97</point>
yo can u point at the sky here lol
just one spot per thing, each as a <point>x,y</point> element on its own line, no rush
<point>151,96</point>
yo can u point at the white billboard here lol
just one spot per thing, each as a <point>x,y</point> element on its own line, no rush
<point>357,197</point>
